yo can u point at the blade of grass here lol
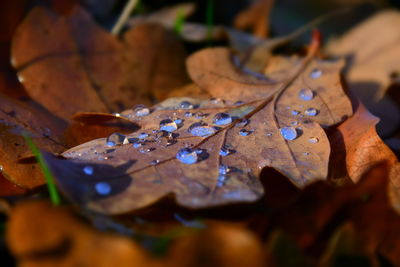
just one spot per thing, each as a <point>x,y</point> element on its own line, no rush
<point>54,196</point>
<point>179,21</point>
<point>124,17</point>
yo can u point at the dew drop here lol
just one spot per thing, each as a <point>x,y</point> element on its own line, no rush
<point>242,123</point>
<point>306,153</point>
<point>238,103</point>
<point>137,145</point>
<point>295,112</point>
<point>311,112</point>
<point>289,133</point>
<point>115,139</point>
<point>20,79</point>
<point>315,73</point>
<point>215,100</point>
<point>222,119</point>
<point>187,155</point>
<point>143,135</point>
<point>294,123</point>
<point>154,162</point>
<point>225,151</point>
<point>244,132</point>
<point>188,114</point>
<point>313,140</point>
<point>141,110</point>
<point>88,170</point>
<point>306,94</point>
<point>269,134</point>
<point>178,121</point>
<point>186,105</point>
<point>201,129</point>
<point>223,169</point>
<point>168,125</point>
<point>103,188</point>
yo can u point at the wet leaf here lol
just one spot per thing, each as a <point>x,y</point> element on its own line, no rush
<point>42,127</point>
<point>210,152</point>
<point>69,64</point>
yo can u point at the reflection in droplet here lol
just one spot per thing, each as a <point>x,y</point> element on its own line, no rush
<point>245,132</point>
<point>187,155</point>
<point>168,125</point>
<point>103,188</point>
<point>313,140</point>
<point>222,119</point>
<point>115,139</point>
<point>306,94</point>
<point>141,110</point>
<point>315,73</point>
<point>201,129</point>
<point>311,112</point>
<point>289,133</point>
<point>88,170</point>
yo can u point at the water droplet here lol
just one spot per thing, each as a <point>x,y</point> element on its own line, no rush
<point>225,151</point>
<point>215,100</point>
<point>294,123</point>
<point>315,73</point>
<point>88,170</point>
<point>168,125</point>
<point>200,115</point>
<point>154,162</point>
<point>223,169</point>
<point>306,94</point>
<point>141,110</point>
<point>137,145</point>
<point>269,134</point>
<point>103,188</point>
<point>295,112</point>
<point>115,139</point>
<point>146,150</point>
<point>289,133</point>
<point>116,114</point>
<point>20,79</point>
<point>188,114</point>
<point>187,155</point>
<point>201,129</point>
<point>238,103</point>
<point>311,112</point>
<point>244,132</point>
<point>313,140</point>
<point>222,119</point>
<point>242,123</point>
<point>186,105</point>
<point>143,135</point>
<point>178,121</point>
<point>306,153</point>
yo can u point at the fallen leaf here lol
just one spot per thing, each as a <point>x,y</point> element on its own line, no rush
<point>45,130</point>
<point>58,237</point>
<point>69,64</point>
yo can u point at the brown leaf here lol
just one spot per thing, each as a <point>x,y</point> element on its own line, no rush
<point>69,64</point>
<point>45,130</point>
<point>57,237</point>
<point>136,177</point>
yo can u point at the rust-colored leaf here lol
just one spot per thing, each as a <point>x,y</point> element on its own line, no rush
<point>252,137</point>
<point>69,64</point>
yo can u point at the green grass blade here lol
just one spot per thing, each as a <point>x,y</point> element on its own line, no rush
<point>54,196</point>
<point>179,22</point>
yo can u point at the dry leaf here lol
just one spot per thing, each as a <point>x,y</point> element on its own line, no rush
<point>69,64</point>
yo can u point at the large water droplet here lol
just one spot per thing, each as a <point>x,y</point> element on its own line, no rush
<point>201,129</point>
<point>103,188</point>
<point>141,110</point>
<point>186,105</point>
<point>306,94</point>
<point>289,133</point>
<point>222,119</point>
<point>311,112</point>
<point>313,140</point>
<point>115,139</point>
<point>88,170</point>
<point>187,155</point>
<point>245,132</point>
<point>168,125</point>
<point>315,73</point>
<point>225,151</point>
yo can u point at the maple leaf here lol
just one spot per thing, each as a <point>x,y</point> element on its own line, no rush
<point>210,152</point>
<point>69,64</point>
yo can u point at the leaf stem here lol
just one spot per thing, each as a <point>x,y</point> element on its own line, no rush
<point>123,17</point>
<point>54,196</point>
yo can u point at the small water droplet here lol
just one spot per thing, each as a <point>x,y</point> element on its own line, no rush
<point>178,121</point>
<point>141,110</point>
<point>215,100</point>
<point>315,73</point>
<point>143,135</point>
<point>269,134</point>
<point>186,105</point>
<point>154,162</point>
<point>225,151</point>
<point>294,123</point>
<point>242,123</point>
<point>313,140</point>
<point>222,119</point>
<point>306,94</point>
<point>146,150</point>
<point>295,112</point>
<point>306,153</point>
<point>223,169</point>
<point>188,114</point>
<point>238,103</point>
<point>137,145</point>
<point>289,133</point>
<point>244,132</point>
<point>103,188</point>
<point>88,170</point>
<point>168,125</point>
<point>116,114</point>
<point>201,129</point>
<point>115,139</point>
<point>46,132</point>
<point>200,115</point>
<point>187,155</point>
<point>311,112</point>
